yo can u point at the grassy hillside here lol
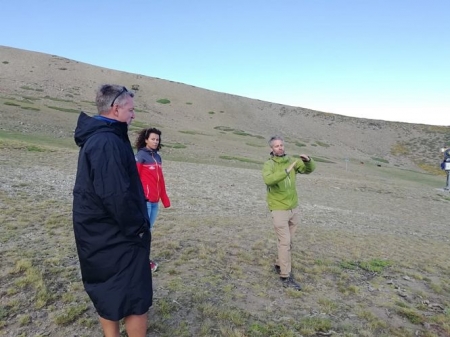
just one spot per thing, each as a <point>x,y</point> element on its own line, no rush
<point>42,94</point>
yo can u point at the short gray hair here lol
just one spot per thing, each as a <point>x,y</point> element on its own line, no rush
<point>276,137</point>
<point>108,94</point>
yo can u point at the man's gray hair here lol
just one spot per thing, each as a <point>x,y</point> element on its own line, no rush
<point>276,137</point>
<point>109,94</point>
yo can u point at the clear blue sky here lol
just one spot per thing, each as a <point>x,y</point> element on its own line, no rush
<point>381,59</point>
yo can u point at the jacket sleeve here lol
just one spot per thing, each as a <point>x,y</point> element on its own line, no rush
<point>139,163</point>
<point>111,175</point>
<point>164,197</point>
<point>305,167</point>
<point>272,177</point>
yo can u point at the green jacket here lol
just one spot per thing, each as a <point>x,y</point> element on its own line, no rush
<point>281,188</point>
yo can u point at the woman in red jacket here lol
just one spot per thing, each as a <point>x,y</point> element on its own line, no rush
<point>149,165</point>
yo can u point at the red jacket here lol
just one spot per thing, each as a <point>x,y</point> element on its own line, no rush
<point>149,165</point>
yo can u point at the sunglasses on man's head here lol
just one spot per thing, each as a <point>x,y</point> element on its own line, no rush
<point>120,93</point>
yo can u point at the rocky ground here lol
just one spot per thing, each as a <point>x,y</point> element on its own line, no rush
<point>353,213</point>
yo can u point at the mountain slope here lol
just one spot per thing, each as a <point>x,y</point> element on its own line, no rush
<point>41,94</point>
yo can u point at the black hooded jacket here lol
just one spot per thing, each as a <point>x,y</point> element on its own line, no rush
<point>110,220</point>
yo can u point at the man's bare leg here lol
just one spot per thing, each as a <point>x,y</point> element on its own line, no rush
<point>110,328</point>
<point>136,325</point>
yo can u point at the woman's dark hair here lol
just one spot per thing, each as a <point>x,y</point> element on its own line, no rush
<point>144,134</point>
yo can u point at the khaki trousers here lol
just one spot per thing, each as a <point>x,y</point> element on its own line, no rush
<point>285,224</point>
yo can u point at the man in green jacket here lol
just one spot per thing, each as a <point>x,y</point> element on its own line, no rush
<point>279,175</point>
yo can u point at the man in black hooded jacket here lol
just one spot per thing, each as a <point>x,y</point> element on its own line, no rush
<point>110,218</point>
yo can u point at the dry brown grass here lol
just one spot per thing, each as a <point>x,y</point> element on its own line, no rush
<point>216,248</point>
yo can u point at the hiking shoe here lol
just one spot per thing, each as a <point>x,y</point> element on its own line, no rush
<point>288,282</point>
<point>153,266</point>
<point>277,269</point>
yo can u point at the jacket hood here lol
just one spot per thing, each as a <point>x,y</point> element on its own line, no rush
<point>88,126</point>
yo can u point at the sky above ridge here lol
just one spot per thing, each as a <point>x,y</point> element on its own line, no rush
<point>378,59</point>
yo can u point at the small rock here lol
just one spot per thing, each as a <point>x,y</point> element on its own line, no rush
<point>402,294</point>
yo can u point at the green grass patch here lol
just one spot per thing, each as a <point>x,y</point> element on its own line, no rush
<point>300,144</point>
<point>34,148</point>
<point>381,160</point>
<point>322,144</point>
<point>26,87</point>
<point>163,101</point>
<point>241,133</point>
<point>11,104</point>
<point>58,99</point>
<point>21,141</point>
<point>31,98</point>
<point>174,145</point>
<point>374,265</point>
<point>139,124</point>
<point>255,145</point>
<point>224,128</point>
<point>411,315</point>
<point>244,160</point>
<point>323,160</point>
<point>317,159</point>
<point>191,132</point>
<point>30,108</point>
<point>70,314</point>
<point>63,109</point>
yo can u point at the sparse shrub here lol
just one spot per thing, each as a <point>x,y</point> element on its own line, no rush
<point>5,62</point>
<point>135,87</point>
<point>211,112</point>
<point>188,103</point>
<point>163,101</point>
<point>399,149</point>
<point>24,320</point>
<point>62,68</point>
<point>71,314</point>
<point>300,144</point>
<point>412,315</point>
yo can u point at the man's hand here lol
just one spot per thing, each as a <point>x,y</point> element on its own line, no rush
<point>305,158</point>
